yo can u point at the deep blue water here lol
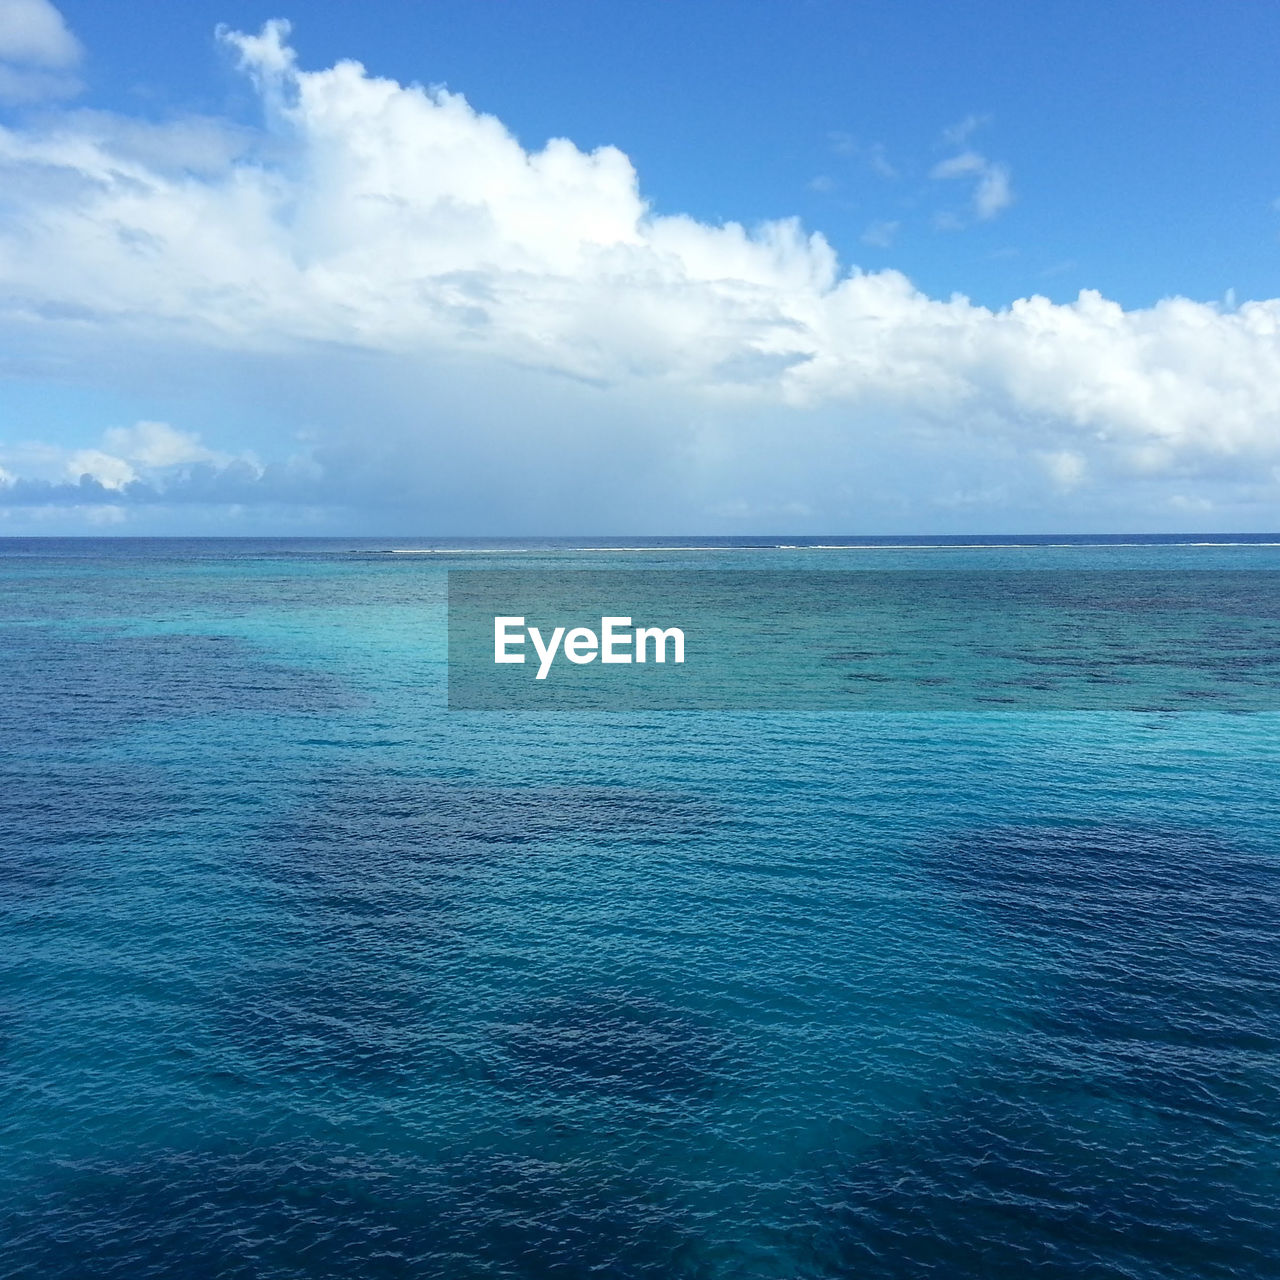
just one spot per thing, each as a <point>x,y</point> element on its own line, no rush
<point>306,976</point>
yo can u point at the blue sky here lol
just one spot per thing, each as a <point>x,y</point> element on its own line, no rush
<point>240,297</point>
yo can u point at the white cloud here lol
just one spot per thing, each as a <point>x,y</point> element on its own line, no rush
<point>1065,467</point>
<point>144,462</point>
<point>536,328</point>
<point>992,192</point>
<point>37,52</point>
<point>33,33</point>
<point>958,134</point>
<point>880,235</point>
<point>157,444</point>
<point>961,166</point>
<point>26,84</point>
<point>102,468</point>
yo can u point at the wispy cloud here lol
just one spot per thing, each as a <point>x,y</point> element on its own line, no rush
<point>873,154</point>
<point>956,135</point>
<point>880,235</point>
<point>879,161</point>
<point>993,194</point>
<point>843,144</point>
<point>992,188</point>
<point>964,165</point>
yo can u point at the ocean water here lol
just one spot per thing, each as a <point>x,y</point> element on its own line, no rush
<point>304,975</point>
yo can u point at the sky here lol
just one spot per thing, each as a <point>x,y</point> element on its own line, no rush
<point>503,268</point>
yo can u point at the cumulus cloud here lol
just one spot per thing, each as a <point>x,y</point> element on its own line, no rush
<point>148,462</point>
<point>33,32</point>
<point>373,221</point>
<point>37,52</point>
<point>103,469</point>
<point>157,444</point>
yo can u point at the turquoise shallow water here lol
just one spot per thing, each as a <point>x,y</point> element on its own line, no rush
<point>305,975</point>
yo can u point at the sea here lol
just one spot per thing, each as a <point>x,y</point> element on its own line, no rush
<point>304,974</point>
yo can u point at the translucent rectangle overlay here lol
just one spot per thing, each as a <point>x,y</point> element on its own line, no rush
<point>951,640</point>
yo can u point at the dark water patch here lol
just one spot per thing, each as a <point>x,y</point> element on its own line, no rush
<point>1137,934</point>
<point>247,1215</point>
<point>1017,1178</point>
<point>64,688</point>
<point>1142,960</point>
<point>273,1213</point>
<point>323,1018</point>
<point>614,1044</point>
<point>10,1022</point>
<point>364,918</point>
<point>55,810</point>
<point>1120,1120</point>
<point>370,823</point>
<point>531,1218</point>
<point>29,869</point>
